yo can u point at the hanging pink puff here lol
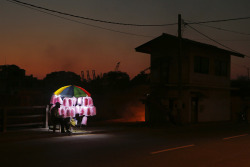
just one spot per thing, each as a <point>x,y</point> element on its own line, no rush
<point>85,101</point>
<point>67,112</point>
<point>59,99</point>
<point>84,110</point>
<point>81,111</point>
<point>63,111</point>
<point>70,102</point>
<point>72,112</point>
<point>87,111</point>
<point>90,101</point>
<point>77,109</point>
<point>53,100</point>
<point>79,101</point>
<point>74,99</point>
<point>66,102</point>
<point>92,110</point>
<point>84,120</point>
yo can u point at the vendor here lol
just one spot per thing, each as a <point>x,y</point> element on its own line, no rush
<point>57,118</point>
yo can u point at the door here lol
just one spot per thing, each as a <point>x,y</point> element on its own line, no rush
<point>194,109</point>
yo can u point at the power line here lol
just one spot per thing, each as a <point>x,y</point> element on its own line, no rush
<point>61,17</point>
<point>91,19</point>
<point>233,40</point>
<point>218,28</point>
<point>120,23</point>
<point>228,40</point>
<point>222,29</point>
<point>210,38</point>
<point>222,20</point>
<point>213,40</point>
<point>40,9</point>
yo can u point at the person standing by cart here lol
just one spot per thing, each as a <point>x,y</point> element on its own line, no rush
<point>57,118</point>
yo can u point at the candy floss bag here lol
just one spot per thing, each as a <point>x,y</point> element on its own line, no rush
<point>84,120</point>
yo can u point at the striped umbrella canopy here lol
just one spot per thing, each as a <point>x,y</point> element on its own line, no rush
<point>72,91</point>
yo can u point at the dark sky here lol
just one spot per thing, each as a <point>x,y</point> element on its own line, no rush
<point>42,43</point>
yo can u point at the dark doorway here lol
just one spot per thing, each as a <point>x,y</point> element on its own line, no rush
<point>171,104</point>
<point>194,109</point>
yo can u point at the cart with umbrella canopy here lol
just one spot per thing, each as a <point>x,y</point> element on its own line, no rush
<point>74,101</point>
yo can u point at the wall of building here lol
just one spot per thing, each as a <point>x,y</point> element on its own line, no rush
<point>215,106</point>
<point>209,79</point>
<point>211,90</point>
<point>159,61</point>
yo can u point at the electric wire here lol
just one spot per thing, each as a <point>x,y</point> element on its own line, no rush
<point>209,38</point>
<point>222,29</point>
<point>228,40</point>
<point>218,28</point>
<point>213,39</point>
<point>88,18</point>
<point>38,8</point>
<point>120,23</point>
<point>222,20</point>
<point>61,17</point>
<point>110,22</point>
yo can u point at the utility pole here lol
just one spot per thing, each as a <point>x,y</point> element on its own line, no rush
<point>88,76</point>
<point>180,56</point>
<point>248,73</point>
<point>179,68</point>
<point>82,74</point>
<point>93,73</point>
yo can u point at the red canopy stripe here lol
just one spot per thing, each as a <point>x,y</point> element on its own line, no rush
<point>84,90</point>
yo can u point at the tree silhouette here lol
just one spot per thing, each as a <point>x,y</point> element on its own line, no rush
<point>242,85</point>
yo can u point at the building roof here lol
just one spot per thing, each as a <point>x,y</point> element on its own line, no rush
<point>167,39</point>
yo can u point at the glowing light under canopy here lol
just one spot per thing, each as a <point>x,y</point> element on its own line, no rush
<point>74,100</point>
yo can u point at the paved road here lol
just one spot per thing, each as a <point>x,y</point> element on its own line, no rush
<point>131,145</point>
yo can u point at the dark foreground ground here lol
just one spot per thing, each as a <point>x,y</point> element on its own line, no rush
<point>129,144</point>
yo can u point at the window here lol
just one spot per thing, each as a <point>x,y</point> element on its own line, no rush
<point>160,70</point>
<point>164,72</point>
<point>221,68</point>
<point>201,64</point>
<point>155,70</point>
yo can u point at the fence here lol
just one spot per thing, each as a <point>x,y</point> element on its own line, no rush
<point>15,117</point>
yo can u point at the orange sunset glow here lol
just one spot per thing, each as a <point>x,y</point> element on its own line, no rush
<point>43,42</point>
<point>113,83</point>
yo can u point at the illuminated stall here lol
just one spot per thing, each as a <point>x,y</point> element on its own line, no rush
<point>74,101</point>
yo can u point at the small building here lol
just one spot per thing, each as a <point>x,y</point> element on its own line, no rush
<point>187,85</point>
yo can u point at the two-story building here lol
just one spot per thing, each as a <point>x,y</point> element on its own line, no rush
<point>190,81</point>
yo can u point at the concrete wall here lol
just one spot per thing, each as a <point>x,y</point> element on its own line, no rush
<point>208,79</point>
<point>215,106</point>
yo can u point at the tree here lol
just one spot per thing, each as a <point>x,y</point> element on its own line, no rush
<point>116,80</point>
<point>55,80</point>
<point>140,79</point>
<point>242,85</point>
